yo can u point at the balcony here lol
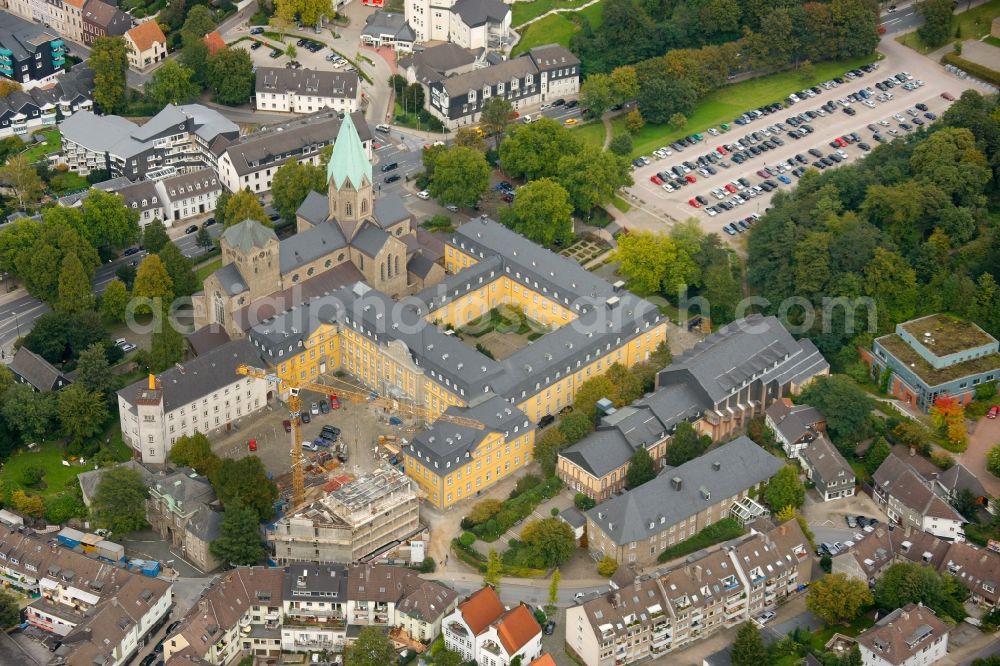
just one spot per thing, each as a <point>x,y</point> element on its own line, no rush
<point>314,643</point>
<point>306,620</point>
<point>492,648</point>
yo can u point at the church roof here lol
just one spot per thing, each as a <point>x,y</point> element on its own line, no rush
<point>248,234</point>
<point>349,160</point>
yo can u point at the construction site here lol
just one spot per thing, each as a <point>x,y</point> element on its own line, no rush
<point>354,521</point>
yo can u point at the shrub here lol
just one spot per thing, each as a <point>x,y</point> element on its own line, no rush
<point>428,565</point>
<point>32,475</point>
<point>583,502</point>
<point>467,538</point>
<point>621,145</point>
<point>524,484</point>
<point>607,567</point>
<point>981,72</point>
<point>724,530</point>
<point>942,459</point>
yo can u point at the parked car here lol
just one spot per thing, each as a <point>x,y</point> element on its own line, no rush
<point>424,194</point>
<point>579,596</point>
<point>287,425</point>
<point>193,229</point>
<point>764,618</point>
<point>994,411</point>
<point>852,522</point>
<point>252,445</point>
<point>549,628</point>
<point>304,415</point>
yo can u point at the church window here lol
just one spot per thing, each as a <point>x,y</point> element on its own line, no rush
<point>220,310</point>
<point>396,269</point>
<point>349,211</point>
<point>327,264</point>
<point>295,278</point>
<point>340,257</point>
<point>310,271</point>
<point>364,206</point>
<point>382,271</point>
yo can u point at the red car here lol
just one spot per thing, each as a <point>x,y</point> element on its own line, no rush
<point>994,411</point>
<point>948,96</point>
<point>691,179</point>
<point>694,203</point>
<point>722,150</point>
<point>656,180</point>
<point>334,401</point>
<point>287,425</point>
<point>840,142</point>
<point>252,445</point>
<point>730,188</point>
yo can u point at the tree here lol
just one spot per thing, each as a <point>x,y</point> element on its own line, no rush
<point>171,83</point>
<point>494,570</point>
<point>119,502</point>
<point>483,510</point>
<point>591,177</point>
<point>785,489</point>
<point>575,426</point>
<point>641,468</point>
<point>109,60</point>
<point>8,86</point>
<point>547,447</point>
<point>678,121</point>
<point>596,94</point>
<point>27,412</point>
<point>245,482</point>
<point>534,150</point>
<point>239,541</point>
<point>75,293</point>
<point>204,239</point>
<point>291,51</point>
<point>231,76</point>
<point>460,176</point>
<point>468,137</point>
<point>906,582</point>
<point>748,647</point>
<point>686,444</point>
<point>93,372</point>
<point>372,648</point>
<point>242,205</point>
<point>114,300</point>
<point>82,413</point>
<point>10,611</point>
<point>554,588</point>
<point>178,267</point>
<point>551,540</point>
<point>541,213</point>
<point>108,221</point>
<point>936,29</point>
<point>621,145</point>
<point>195,452</point>
<point>993,461</point>
<point>837,599</point>
<point>152,281</point>
<point>607,566</point>
<point>30,505</point>
<point>655,262</point>
<point>154,237</point>
<point>292,183</point>
<point>166,347</point>
<point>198,22</point>
<point>446,657</point>
<point>23,179</point>
<point>634,121</point>
<point>877,454</point>
<point>195,57</point>
<point>661,97</point>
<point>495,116</point>
<point>624,84</point>
<point>846,407</point>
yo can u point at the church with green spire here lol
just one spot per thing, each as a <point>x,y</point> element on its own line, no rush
<point>346,236</point>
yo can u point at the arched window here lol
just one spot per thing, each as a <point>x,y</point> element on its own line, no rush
<point>349,211</point>
<point>364,206</point>
<point>396,260</point>
<point>327,264</point>
<point>382,271</point>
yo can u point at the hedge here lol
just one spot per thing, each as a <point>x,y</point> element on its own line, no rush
<point>724,530</point>
<point>981,72</point>
<point>476,560</point>
<point>515,510</point>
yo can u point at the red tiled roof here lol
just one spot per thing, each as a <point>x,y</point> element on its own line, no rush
<point>481,609</point>
<point>544,660</point>
<point>214,42</point>
<point>516,628</point>
<point>146,34</point>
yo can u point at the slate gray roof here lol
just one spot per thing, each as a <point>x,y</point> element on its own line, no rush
<point>205,524</point>
<point>139,192</point>
<point>477,12</point>
<point>36,371</point>
<point>794,422</point>
<point>552,56</point>
<point>573,517</point>
<point>316,83</point>
<point>185,185</point>
<point>441,58</point>
<point>89,480</point>
<point>447,444</point>
<point>315,209</point>
<point>324,582</point>
<point>307,246</point>
<point>369,240</point>
<point>899,480</point>
<point>200,376</point>
<point>958,477</point>
<point>74,86</point>
<point>207,338</point>
<point>231,280</point>
<point>477,79</point>
<point>419,265</point>
<point>381,23</point>
<point>23,38</point>
<point>654,506</point>
<point>389,210</point>
<point>184,487</point>
<point>248,235</point>
<point>737,352</point>
<point>826,462</point>
<point>428,601</point>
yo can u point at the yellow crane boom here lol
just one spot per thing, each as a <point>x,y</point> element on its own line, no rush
<point>294,405</point>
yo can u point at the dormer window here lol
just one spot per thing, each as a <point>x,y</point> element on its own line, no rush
<point>486,92</point>
<point>472,96</point>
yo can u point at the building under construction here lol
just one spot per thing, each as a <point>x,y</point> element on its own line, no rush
<point>350,524</point>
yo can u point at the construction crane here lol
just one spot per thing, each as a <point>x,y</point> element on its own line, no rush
<point>294,404</point>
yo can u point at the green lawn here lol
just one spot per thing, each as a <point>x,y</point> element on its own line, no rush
<point>207,269</point>
<point>52,144</point>
<point>592,132</point>
<point>49,457</point>
<point>594,14</point>
<point>972,24</point>
<point>555,29</point>
<point>621,204</point>
<point>992,41</point>
<point>68,182</point>
<point>525,11</point>
<point>722,105</point>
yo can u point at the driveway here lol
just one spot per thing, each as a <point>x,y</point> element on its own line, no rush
<point>985,436</point>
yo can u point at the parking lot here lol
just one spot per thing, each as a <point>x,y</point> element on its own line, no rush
<point>826,127</point>
<point>271,53</point>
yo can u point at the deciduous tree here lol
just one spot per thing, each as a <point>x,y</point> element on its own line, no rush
<point>239,540</point>
<point>182,277</point>
<point>547,447</point>
<point>152,281</point>
<point>596,94</point>
<point>292,183</point>
<point>27,412</point>
<point>372,648</point>
<point>494,570</point>
<point>166,347</point>
<point>495,116</point>
<point>837,599</point>
<point>936,29</point>
<point>243,205</point>
<point>171,83</point>
<point>460,176</point>
<point>541,213</point>
<point>534,150</point>
<point>846,407</point>
<point>23,179</point>
<point>195,452</point>
<point>686,444</point>
<point>109,60</point>
<point>198,22</point>
<point>29,505</point>
<point>75,292</point>
<point>641,468</point>
<point>154,237</point>
<point>634,121</point>
<point>231,77</point>
<point>575,426</point>
<point>82,413</point>
<point>114,300</point>
<point>119,502</point>
<point>483,510</point>
<point>785,489</point>
<point>468,137</point>
<point>93,372</point>
<point>110,223</point>
<point>748,647</point>
<point>661,97</point>
<point>245,482</point>
<point>591,177</point>
<point>550,539</point>
<point>10,611</point>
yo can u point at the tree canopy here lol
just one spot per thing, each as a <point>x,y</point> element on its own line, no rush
<point>641,468</point>
<point>119,502</point>
<point>460,176</point>
<point>785,489</point>
<point>551,540</point>
<point>239,540</point>
<point>846,407</point>
<point>837,598</point>
<point>371,648</point>
<point>109,60</point>
<point>541,213</point>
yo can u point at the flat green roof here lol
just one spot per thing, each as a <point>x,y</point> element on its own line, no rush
<point>950,334</point>
<point>896,346</point>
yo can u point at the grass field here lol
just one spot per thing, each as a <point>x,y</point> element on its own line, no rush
<point>594,14</point>
<point>728,102</point>
<point>205,270</point>
<point>992,41</point>
<point>555,29</point>
<point>49,457</point>
<point>592,132</point>
<point>52,144</point>
<point>525,11</point>
<point>972,24</point>
<point>621,204</point>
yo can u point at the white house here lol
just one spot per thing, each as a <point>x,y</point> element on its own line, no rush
<point>794,426</point>
<point>472,24</point>
<point>306,90</point>
<point>909,500</point>
<point>481,629</point>
<point>908,636</point>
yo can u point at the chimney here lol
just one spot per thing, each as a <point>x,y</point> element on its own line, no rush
<point>697,572</point>
<point>675,483</point>
<point>152,382</point>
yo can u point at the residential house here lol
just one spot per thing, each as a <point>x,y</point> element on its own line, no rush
<point>827,469</point>
<point>908,499</point>
<point>214,42</point>
<point>937,355</point>
<point>542,74</point>
<point>29,53</point>
<point>188,195</point>
<point>31,369</point>
<point>201,395</point>
<point>146,46</point>
<point>389,30</point>
<point>182,507</point>
<point>794,426</point>
<point>101,19</point>
<point>956,479</point>
<point>23,111</point>
<point>73,22</point>
<point>908,636</point>
<point>471,24</point>
<point>306,90</point>
<point>481,629</point>
<point>314,606</point>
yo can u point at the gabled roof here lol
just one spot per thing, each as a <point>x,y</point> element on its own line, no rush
<point>214,42</point>
<point>36,371</point>
<point>349,161</point>
<point>826,462</point>
<point>249,235</point>
<point>477,12</point>
<point>305,247</point>
<point>795,422</point>
<point>481,609</point>
<point>903,633</point>
<point>370,239</point>
<point>146,34</point>
<point>958,477</point>
<point>516,627</point>
<point>899,480</point>
<point>314,209</point>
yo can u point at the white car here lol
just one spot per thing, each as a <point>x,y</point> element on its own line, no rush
<point>765,617</point>
<point>668,187</point>
<point>579,596</point>
<point>423,194</point>
<point>712,212</point>
<point>718,193</point>
<point>737,184</point>
<point>128,347</point>
<point>842,153</point>
<point>121,342</point>
<point>713,131</point>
